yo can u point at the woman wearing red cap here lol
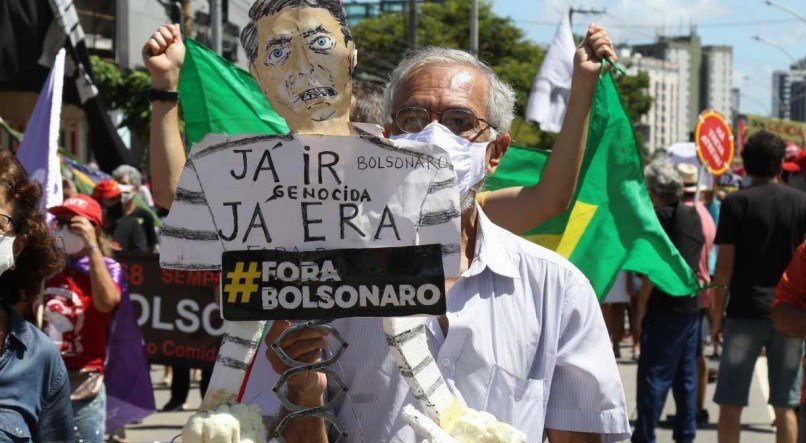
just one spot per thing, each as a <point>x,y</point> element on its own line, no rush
<point>34,393</point>
<point>78,303</point>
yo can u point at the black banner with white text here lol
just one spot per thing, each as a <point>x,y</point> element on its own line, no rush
<point>293,285</point>
<point>176,311</point>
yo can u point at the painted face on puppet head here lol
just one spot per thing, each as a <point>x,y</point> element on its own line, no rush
<point>303,65</point>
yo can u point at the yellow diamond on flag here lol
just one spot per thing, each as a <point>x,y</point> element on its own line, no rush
<point>564,244</point>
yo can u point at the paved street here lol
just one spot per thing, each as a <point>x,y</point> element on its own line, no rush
<point>757,418</point>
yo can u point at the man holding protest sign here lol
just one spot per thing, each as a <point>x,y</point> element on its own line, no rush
<point>501,273</point>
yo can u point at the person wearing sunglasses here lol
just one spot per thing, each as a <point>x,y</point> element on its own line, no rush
<point>34,391</point>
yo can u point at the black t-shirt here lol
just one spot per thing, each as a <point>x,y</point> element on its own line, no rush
<point>128,233</point>
<point>146,221</point>
<point>766,223</point>
<point>683,226</point>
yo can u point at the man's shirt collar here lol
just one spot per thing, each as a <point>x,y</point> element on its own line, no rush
<point>16,327</point>
<point>490,250</point>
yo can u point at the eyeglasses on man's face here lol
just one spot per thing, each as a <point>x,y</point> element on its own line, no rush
<point>460,121</point>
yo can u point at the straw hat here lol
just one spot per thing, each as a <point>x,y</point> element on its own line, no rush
<point>689,174</point>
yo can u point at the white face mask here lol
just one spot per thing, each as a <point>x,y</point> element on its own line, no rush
<point>6,252</point>
<point>467,157</point>
<point>126,193</point>
<point>70,242</point>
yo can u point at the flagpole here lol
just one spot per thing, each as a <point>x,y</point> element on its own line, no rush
<point>215,26</point>
<point>591,11</point>
<point>412,25</point>
<point>474,28</point>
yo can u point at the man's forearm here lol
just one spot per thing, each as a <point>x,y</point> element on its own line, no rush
<point>306,429</point>
<point>789,319</point>
<point>643,299</point>
<point>559,179</point>
<point>167,152</point>
<point>519,209</point>
<point>557,436</point>
<point>722,277</point>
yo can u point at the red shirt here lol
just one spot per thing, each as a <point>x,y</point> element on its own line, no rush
<point>792,290</point>
<point>73,323</point>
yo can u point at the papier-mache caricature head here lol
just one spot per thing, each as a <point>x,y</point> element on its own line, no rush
<point>302,55</point>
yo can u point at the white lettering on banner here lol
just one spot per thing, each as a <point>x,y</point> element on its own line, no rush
<point>190,317</point>
<point>350,297</point>
<point>305,272</point>
<point>187,310</point>
<point>144,308</point>
<point>156,322</point>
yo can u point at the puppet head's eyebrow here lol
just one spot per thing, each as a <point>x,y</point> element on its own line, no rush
<point>315,30</point>
<point>278,41</point>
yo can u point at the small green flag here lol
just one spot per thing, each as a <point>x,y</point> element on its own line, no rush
<point>611,224</point>
<point>218,97</point>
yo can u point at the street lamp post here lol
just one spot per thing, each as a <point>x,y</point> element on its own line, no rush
<point>785,8</point>
<point>761,39</point>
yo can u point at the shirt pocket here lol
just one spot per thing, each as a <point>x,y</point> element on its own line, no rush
<point>13,427</point>
<point>517,401</point>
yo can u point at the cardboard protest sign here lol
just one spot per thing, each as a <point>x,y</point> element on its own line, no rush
<point>309,192</point>
<point>714,141</point>
<point>304,193</point>
<point>176,311</point>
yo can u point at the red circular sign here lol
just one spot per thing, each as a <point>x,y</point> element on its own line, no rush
<point>714,142</point>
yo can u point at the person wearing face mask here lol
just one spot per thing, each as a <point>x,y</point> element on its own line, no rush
<point>78,304</point>
<point>130,181</point>
<point>121,224</point>
<point>523,337</point>
<point>34,392</point>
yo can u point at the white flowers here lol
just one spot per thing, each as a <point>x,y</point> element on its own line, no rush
<point>461,424</point>
<point>226,424</point>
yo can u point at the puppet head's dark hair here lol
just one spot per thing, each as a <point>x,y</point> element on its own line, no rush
<point>262,8</point>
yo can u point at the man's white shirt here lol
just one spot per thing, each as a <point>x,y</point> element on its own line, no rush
<point>526,342</point>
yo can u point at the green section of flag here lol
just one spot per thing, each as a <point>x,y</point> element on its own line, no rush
<point>611,225</point>
<point>217,97</point>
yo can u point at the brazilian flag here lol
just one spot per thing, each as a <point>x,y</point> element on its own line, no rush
<point>611,225</point>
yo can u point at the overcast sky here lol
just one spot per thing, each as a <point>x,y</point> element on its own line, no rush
<point>720,22</point>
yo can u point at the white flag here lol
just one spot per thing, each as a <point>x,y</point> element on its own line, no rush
<point>552,86</point>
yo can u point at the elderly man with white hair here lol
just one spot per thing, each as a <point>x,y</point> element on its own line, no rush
<point>523,337</point>
<point>669,326</point>
<point>130,181</point>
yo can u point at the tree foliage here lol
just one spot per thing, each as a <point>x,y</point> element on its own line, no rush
<point>633,93</point>
<point>381,44</point>
<point>125,90</point>
<point>381,41</point>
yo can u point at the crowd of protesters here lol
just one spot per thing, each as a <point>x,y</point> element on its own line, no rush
<point>741,235</point>
<point>747,240</point>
